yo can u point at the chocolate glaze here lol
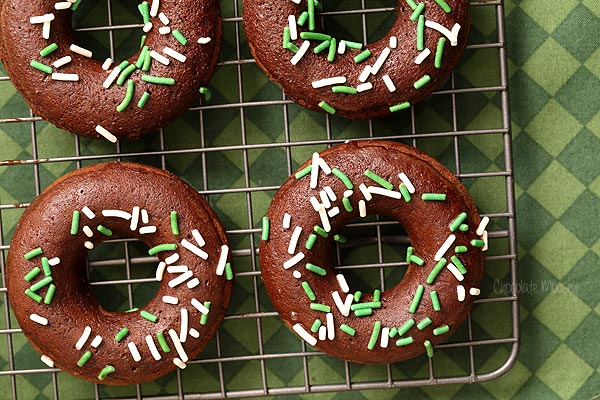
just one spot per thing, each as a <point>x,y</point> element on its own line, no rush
<point>79,106</point>
<point>426,223</point>
<point>46,223</point>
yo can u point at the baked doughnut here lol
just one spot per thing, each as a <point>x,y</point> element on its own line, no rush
<point>345,78</point>
<point>65,85</point>
<point>50,294</point>
<point>445,258</point>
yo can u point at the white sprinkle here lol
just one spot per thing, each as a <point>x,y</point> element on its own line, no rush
<point>173,258</point>
<point>333,212</point>
<point>204,40</point>
<point>474,291</point>
<point>194,249</point>
<point>180,279</point>
<point>324,199</point>
<point>59,76</point>
<point>300,53</point>
<point>485,241</point>
<point>422,56</point>
<point>222,259</point>
<point>154,8</point>
<point>348,193</point>
<point>336,80</point>
<point>341,47</point>
<point>80,50</point>
<point>180,364</point>
<point>455,272</point>
<point>324,166</point>
<point>200,307</point>
<point>111,77</point>
<point>134,352</point>
<point>315,203</point>
<point>380,61</point>
<point>164,30</point>
<point>322,332</point>
<point>364,87</point>
<point>299,329</point>
<point>83,338</point>
<point>163,18</point>
<point>330,193</point>
<point>385,337</point>
<point>46,30</point>
<point>460,292</point>
<point>293,27</point>
<point>482,225</point>
<point>287,221</point>
<point>340,304</point>
<point>364,75</point>
<point>147,229</point>
<point>388,83</point>
<point>444,31</point>
<point>96,342</point>
<point>159,57</point>
<point>342,282</point>
<point>293,261</point>
<point>87,231</point>
<point>88,213</point>
<point>183,328</point>
<point>62,5</point>
<point>409,186</point>
<point>62,61</point>
<point>314,173</point>
<point>174,54</point>
<point>41,19</point>
<point>147,27</point>
<point>176,269</point>
<point>160,270</point>
<point>38,319</point>
<point>455,30</point>
<point>324,219</point>
<point>362,208</point>
<point>330,327</point>
<point>194,333</point>
<point>182,354</point>
<point>170,300</point>
<point>294,240</point>
<point>198,238</point>
<point>152,347</point>
<point>192,283</point>
<point>117,214</point>
<point>135,218</point>
<point>384,192</point>
<point>349,300</point>
<point>107,63</point>
<point>145,217</point>
<point>365,192</point>
<point>393,42</point>
<point>442,250</point>
<point>296,274</point>
<point>297,1</point>
<point>88,245</point>
<point>54,261</point>
<point>45,359</point>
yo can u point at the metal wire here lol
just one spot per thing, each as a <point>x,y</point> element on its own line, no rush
<point>259,316</point>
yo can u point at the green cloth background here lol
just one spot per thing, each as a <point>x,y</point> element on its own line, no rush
<point>554,70</point>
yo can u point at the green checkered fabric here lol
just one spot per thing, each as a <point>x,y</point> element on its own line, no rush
<point>554,70</point>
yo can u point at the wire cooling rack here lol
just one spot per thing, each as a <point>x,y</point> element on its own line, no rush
<point>236,151</point>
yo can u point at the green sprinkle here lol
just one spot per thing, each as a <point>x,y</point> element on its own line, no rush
<point>143,100</point>
<point>228,272</point>
<point>121,334</point>
<point>361,306</point>
<point>347,205</point>
<point>109,369</point>
<point>378,179</point>
<point>150,317</point>
<point>424,80</point>
<point>463,227</point>
<point>40,284</point>
<point>424,323</point>
<point>441,330</point>
<point>411,4</point>
<point>406,326</point>
<point>444,6</point>
<point>393,332</point>
<point>142,41</point>
<point>435,301</point>
<point>458,264</point>
<point>320,231</point>
<point>145,11</point>
<point>332,49</point>
<point>180,38</point>
<point>353,45</point>
<point>321,47</point>
<point>316,269</point>
<point>159,80</point>
<point>357,296</point>
<point>311,15</point>
<point>147,62</point>
<point>309,292</point>
<point>41,67</point>
<point>132,309</point>
<point>303,172</point>
<point>104,230</point>
<point>174,223</point>
<point>204,317</point>
<point>302,18</point>
<point>404,341</point>
<point>125,74</point>
<point>128,95</point>
<point>405,192</point>
<point>435,271</point>
<point>477,243</point>
<point>162,247</point>
<point>429,348</point>
<point>36,297</point>
<point>32,274</point>
<point>327,107</point>
<point>50,294</point>
<point>348,329</point>
<point>377,295</point>
<point>75,222</point>
<point>363,312</point>
<point>320,307</point>
<point>48,49</point>
<point>362,56</point>
<point>316,325</point>
<point>46,266</point>
<point>433,196</point>
<point>286,37</point>
<point>142,57</point>
<point>343,178</point>
<point>400,106</point>
<point>409,253</point>
<point>206,92</point>
<point>310,242</point>
<point>84,358</point>
<point>459,220</point>
<point>123,65</point>
<point>292,47</point>
<point>162,342</point>
<point>344,89</point>
<point>415,302</point>
<point>460,249</point>
<point>439,52</point>
<point>421,33</point>
<point>417,12</point>
<point>75,5</point>
<point>417,260</point>
<point>374,335</point>
<point>339,238</point>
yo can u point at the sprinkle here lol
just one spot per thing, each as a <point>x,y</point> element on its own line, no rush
<point>353,45</point>
<point>176,269</point>
<point>180,364</point>
<point>424,80</point>
<point>32,295</point>
<point>320,307</point>
<point>362,208</point>
<point>104,230</point>
<point>150,317</point>
<point>444,248</point>
<point>435,301</point>
<point>460,292</point>
<point>84,358</point>
<point>457,221</point>
<point>417,12</point>
<point>152,347</point>
<point>361,56</point>
<point>444,31</point>
<point>159,80</point>
<point>416,299</point>
<point>339,238</point>
<point>192,283</point>
<point>439,52</point>
<point>330,326</point>
<point>435,271</point>
<point>204,40</point>
<point>200,307</point>
<point>393,332</point>
<point>331,52</point>
<point>41,19</point>
<point>347,329</point>
<point>183,327</point>
<point>303,172</point>
<point>179,37</point>
<point>455,272</point>
<point>194,249</point>
<point>162,342</point>
<point>344,89</point>
<point>303,17</point>
<point>87,231</point>
<point>297,274</point>
<point>222,259</point>
<point>385,337</point>
<point>111,77</point>
<point>145,216</point>
<point>50,294</point>
<point>393,42</point>
<point>400,106</point>
<point>109,369</point>
<point>361,306</point>
<point>162,247</point>
<point>424,323</point>
<point>311,15</point>
<point>170,300</point>
<point>316,325</point>
<point>324,199</point>
<point>320,231</point>
<point>363,312</point>
<point>310,242</point>
<point>378,179</point>
<point>174,54</point>
<point>365,191</point>
<point>287,36</point>
<point>315,268</point>
<point>301,51</point>
<point>160,269</point>
<point>299,329</point>
<point>441,330</point>
<point>80,50</point>
<point>463,227</point>
<point>325,218</point>
<point>357,295</point>
<point>135,217</point>
<point>364,87</point>
<point>40,284</point>
<point>321,47</point>
<point>48,49</point>
<point>83,338</point>
<point>121,334</point>
<point>406,326</point>
<point>384,192</point>
<point>342,282</point>
<point>380,60</point>
<point>421,33</point>
<point>460,249</point>
<point>404,341</point>
<point>88,245</point>
<point>327,107</point>
<point>422,56</point>
<point>293,261</point>
<point>47,360</point>
<point>96,342</point>
<point>287,220</point>
<point>474,291</point>
<point>164,30</point>
<point>341,47</point>
<point>145,11</point>
<point>194,333</point>
<point>148,229</point>
<point>444,6</point>
<point>33,253</point>
<point>459,264</point>
<point>374,335</point>
<point>163,18</point>
<point>132,310</point>
<point>429,348</point>
<point>388,83</point>
<point>347,182</point>
<point>482,225</point>
<point>433,196</point>
<point>154,8</point>
<point>32,274</point>
<point>180,279</point>
<point>308,290</point>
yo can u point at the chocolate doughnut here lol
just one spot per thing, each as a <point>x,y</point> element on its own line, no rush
<point>63,83</point>
<point>50,294</point>
<point>345,78</point>
<point>445,258</point>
